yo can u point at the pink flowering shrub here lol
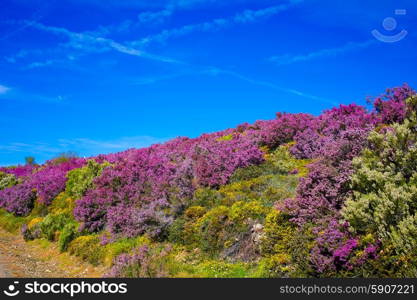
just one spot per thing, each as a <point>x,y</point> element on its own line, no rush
<point>18,199</point>
<point>325,188</point>
<point>167,173</point>
<point>391,107</point>
<point>143,263</point>
<point>19,171</point>
<point>45,184</point>
<point>50,180</point>
<point>216,161</point>
<point>336,250</point>
<point>282,130</point>
<point>329,127</point>
<point>130,221</point>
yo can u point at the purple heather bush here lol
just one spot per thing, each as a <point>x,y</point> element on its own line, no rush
<point>326,186</point>
<point>282,130</point>
<point>143,263</point>
<point>391,106</point>
<point>19,171</point>
<point>45,184</point>
<point>216,161</point>
<point>131,221</point>
<point>18,199</point>
<point>50,180</point>
<point>330,127</point>
<point>167,173</point>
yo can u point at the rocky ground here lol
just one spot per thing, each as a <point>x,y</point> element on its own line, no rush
<point>39,259</point>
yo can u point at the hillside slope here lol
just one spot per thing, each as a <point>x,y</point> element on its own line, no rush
<point>298,196</point>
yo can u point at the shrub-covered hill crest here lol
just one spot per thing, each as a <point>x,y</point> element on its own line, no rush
<point>333,195</point>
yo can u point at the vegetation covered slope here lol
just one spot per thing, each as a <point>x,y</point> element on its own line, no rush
<point>298,196</point>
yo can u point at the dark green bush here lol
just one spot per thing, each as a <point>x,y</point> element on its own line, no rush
<point>68,234</point>
<point>53,224</point>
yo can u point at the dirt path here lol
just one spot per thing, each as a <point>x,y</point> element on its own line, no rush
<point>39,259</point>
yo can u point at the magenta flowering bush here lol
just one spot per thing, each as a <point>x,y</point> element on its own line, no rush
<point>338,251</point>
<point>330,127</point>
<point>391,106</point>
<point>45,184</point>
<point>18,199</point>
<point>323,191</point>
<point>130,221</point>
<point>215,161</point>
<point>168,174</point>
<point>282,130</point>
<point>50,180</point>
<point>143,263</point>
<point>19,171</point>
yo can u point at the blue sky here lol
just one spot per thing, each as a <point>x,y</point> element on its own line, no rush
<point>100,76</point>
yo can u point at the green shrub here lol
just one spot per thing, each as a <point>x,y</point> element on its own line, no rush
<point>80,180</point>
<point>53,224</point>
<point>88,248</point>
<point>206,197</point>
<point>276,266</point>
<point>125,245</point>
<point>223,226</point>
<point>210,229</point>
<point>255,171</point>
<point>242,213</point>
<point>277,233</point>
<point>176,231</point>
<point>181,230</point>
<point>68,234</point>
<point>225,138</point>
<point>384,185</point>
<point>62,204</point>
<point>7,180</point>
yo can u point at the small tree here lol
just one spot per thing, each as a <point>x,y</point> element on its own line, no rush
<point>30,160</point>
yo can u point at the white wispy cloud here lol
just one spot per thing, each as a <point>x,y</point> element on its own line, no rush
<point>159,16</point>
<point>18,94</point>
<point>217,71</point>
<point>3,89</point>
<point>93,44</point>
<point>246,16</point>
<point>155,17</point>
<point>36,16</point>
<point>290,59</point>
<point>39,64</point>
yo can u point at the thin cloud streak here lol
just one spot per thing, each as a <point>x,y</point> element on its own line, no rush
<point>89,43</point>
<point>290,59</point>
<point>274,86</point>
<point>17,94</point>
<point>4,89</point>
<point>244,17</point>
